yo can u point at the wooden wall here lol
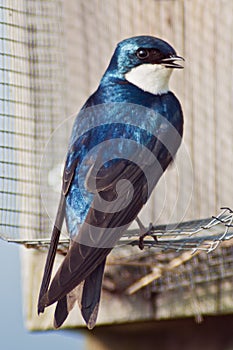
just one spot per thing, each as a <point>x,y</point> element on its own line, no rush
<point>201,31</point>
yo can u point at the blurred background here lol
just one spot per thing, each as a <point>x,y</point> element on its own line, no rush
<point>13,333</point>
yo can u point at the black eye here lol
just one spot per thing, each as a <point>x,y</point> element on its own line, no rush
<point>142,54</point>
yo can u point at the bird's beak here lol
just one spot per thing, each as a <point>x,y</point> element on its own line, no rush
<point>170,62</point>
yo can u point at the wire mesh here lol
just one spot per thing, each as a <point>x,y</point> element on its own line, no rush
<point>186,261</point>
<point>30,52</point>
<point>47,72</point>
<point>52,55</point>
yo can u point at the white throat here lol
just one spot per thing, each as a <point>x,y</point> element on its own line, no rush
<point>153,78</point>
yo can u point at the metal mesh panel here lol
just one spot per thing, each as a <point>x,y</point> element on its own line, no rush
<point>53,54</point>
<point>31,70</point>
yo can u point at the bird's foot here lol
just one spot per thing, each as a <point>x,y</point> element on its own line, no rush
<point>143,235</point>
<point>144,232</point>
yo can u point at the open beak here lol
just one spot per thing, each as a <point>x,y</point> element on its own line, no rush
<point>170,62</point>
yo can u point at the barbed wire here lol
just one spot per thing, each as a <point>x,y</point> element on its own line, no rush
<point>203,235</point>
<point>181,254</point>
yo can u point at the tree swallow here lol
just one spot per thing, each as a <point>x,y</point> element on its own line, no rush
<point>122,141</point>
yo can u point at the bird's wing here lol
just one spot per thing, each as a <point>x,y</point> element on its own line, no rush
<point>67,178</point>
<point>52,252</point>
<point>101,229</point>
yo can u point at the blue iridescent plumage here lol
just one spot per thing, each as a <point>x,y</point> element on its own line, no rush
<point>124,134</point>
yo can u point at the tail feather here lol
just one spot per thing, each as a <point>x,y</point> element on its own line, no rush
<point>61,312</point>
<point>91,295</point>
<point>89,303</point>
<point>66,304</point>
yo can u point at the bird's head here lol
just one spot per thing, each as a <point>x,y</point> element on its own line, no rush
<point>146,62</point>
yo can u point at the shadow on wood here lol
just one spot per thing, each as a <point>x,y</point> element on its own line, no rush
<point>214,333</point>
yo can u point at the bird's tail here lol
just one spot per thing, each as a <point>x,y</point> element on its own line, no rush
<point>88,296</point>
<point>66,304</point>
<point>91,295</point>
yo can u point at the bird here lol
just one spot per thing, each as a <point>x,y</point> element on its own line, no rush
<point>122,141</point>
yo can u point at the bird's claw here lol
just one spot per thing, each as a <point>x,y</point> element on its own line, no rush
<point>143,235</point>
